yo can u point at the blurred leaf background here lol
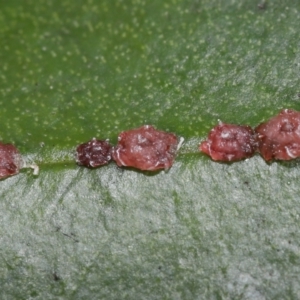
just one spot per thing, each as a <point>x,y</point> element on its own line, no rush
<point>73,70</point>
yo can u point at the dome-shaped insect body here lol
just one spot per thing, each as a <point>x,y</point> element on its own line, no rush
<point>146,148</point>
<point>10,160</point>
<point>279,138</point>
<point>229,142</point>
<point>94,153</point>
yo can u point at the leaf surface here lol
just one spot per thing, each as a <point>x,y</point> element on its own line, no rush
<point>73,70</point>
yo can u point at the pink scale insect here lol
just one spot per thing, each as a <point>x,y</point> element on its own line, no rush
<point>230,142</point>
<point>11,161</point>
<point>94,153</point>
<point>146,148</point>
<point>279,138</point>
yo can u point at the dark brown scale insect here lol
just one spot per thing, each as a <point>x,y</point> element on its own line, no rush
<point>229,142</point>
<point>279,138</point>
<point>94,153</point>
<point>10,160</point>
<point>146,148</point>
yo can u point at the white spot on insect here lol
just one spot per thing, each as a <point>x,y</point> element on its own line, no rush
<point>119,157</point>
<point>230,157</point>
<point>141,139</point>
<point>225,134</point>
<point>92,163</point>
<point>289,153</point>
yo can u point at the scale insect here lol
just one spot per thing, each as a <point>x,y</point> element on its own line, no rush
<point>93,153</point>
<point>279,138</point>
<point>146,148</point>
<point>10,160</point>
<point>230,142</point>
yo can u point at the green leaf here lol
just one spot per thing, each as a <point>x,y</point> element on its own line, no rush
<point>73,70</point>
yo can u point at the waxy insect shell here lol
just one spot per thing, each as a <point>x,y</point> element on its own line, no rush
<point>279,138</point>
<point>229,142</point>
<point>146,148</point>
<point>94,153</point>
<point>10,160</point>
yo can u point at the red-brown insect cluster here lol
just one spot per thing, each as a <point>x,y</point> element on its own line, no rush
<point>278,138</point>
<point>147,148</point>
<point>144,148</point>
